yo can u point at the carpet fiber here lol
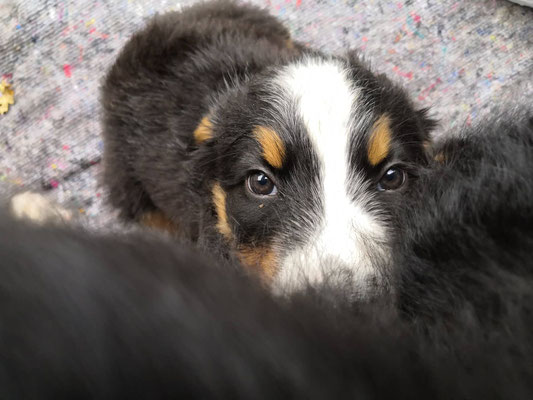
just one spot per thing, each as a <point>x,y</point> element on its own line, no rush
<point>462,58</point>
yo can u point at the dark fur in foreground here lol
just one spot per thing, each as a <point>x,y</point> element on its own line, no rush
<point>86,317</point>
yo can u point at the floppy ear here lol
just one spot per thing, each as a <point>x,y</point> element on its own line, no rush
<point>426,125</point>
<point>362,72</point>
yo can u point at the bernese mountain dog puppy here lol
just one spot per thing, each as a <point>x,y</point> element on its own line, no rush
<point>220,128</point>
<point>135,317</point>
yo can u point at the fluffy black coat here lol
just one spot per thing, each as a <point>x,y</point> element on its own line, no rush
<point>465,246</point>
<point>87,317</point>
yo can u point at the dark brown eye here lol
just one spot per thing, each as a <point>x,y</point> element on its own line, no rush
<point>260,184</point>
<point>393,179</point>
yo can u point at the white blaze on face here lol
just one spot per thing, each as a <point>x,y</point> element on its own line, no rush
<point>347,235</point>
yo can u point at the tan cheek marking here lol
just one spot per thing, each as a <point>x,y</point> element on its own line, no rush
<point>219,200</point>
<point>204,131</point>
<point>262,260</point>
<point>380,139</point>
<point>440,158</point>
<point>272,145</point>
<point>158,220</point>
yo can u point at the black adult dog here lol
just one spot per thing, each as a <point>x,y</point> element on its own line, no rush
<point>134,317</point>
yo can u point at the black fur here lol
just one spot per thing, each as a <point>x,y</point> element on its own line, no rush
<point>88,317</point>
<point>467,233</point>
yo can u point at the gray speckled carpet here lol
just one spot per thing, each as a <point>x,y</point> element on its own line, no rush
<point>463,58</point>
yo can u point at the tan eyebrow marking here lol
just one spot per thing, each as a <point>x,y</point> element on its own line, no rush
<point>204,131</point>
<point>272,145</point>
<point>219,200</point>
<point>380,139</point>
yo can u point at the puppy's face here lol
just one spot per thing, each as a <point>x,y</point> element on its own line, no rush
<point>309,161</point>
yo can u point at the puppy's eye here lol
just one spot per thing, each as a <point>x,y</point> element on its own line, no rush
<point>393,179</point>
<point>260,184</point>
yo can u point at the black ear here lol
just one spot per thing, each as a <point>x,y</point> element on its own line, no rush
<point>392,95</point>
<point>426,123</point>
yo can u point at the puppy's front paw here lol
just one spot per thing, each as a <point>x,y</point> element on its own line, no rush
<point>36,207</point>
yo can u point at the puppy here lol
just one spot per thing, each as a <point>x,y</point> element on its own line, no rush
<point>221,129</point>
<point>134,317</point>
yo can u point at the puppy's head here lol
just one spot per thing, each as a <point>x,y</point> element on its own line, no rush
<point>307,162</point>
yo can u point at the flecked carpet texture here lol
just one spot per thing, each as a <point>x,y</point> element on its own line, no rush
<point>462,58</point>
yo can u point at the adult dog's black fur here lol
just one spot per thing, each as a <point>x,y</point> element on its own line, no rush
<point>467,235</point>
<point>87,317</point>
